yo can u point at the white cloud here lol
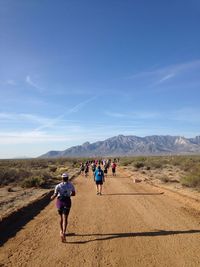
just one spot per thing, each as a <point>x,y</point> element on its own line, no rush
<point>167,77</point>
<point>31,137</point>
<point>22,117</point>
<point>161,75</point>
<point>134,115</point>
<point>10,82</point>
<point>186,114</point>
<point>33,84</point>
<point>76,108</point>
<point>115,114</point>
<point>79,106</point>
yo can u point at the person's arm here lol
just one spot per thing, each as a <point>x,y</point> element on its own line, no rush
<point>73,192</point>
<point>55,193</point>
<point>103,176</point>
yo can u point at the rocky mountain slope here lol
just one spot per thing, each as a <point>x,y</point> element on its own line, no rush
<point>132,145</point>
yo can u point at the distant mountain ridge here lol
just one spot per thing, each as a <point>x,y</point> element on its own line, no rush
<point>131,146</point>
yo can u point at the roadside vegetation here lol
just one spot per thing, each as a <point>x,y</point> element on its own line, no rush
<point>41,173</point>
<point>34,172</point>
<point>187,166</point>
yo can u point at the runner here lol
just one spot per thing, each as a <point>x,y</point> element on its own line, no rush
<point>63,191</point>
<point>105,169</point>
<point>99,179</point>
<point>114,165</point>
<point>93,165</point>
<point>86,169</point>
<point>82,168</point>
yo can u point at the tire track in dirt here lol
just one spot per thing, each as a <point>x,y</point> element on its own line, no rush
<point>129,225</point>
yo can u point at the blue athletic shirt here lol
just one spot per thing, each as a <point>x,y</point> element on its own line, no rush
<point>98,175</point>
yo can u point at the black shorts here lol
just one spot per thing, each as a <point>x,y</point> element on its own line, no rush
<point>99,182</point>
<point>113,170</point>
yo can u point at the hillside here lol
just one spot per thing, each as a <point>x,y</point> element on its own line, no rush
<point>132,145</point>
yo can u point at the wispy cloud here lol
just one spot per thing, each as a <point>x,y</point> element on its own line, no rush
<point>79,106</point>
<point>168,70</point>
<point>10,82</point>
<point>134,115</point>
<point>30,82</point>
<point>161,75</point>
<point>74,109</point>
<point>165,78</point>
<point>22,117</point>
<point>114,114</point>
<point>31,137</point>
<point>186,114</point>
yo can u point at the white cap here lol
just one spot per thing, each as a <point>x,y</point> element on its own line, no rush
<point>65,175</point>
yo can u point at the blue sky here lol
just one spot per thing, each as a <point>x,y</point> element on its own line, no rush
<point>77,71</point>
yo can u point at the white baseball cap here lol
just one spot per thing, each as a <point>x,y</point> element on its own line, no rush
<point>65,175</point>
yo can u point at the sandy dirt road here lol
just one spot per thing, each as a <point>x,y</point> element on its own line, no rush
<point>129,225</point>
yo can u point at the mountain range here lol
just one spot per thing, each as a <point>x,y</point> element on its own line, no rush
<point>131,146</point>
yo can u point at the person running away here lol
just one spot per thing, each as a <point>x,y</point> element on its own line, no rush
<point>114,165</point>
<point>63,192</point>
<point>99,179</point>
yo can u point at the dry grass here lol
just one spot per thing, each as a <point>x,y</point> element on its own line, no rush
<point>24,181</point>
<point>33,172</point>
<point>183,169</point>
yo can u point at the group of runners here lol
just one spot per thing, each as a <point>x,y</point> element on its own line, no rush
<point>65,189</point>
<point>104,164</point>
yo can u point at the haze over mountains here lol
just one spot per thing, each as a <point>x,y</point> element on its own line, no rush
<point>131,146</point>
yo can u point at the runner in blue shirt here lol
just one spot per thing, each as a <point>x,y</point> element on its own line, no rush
<point>99,179</point>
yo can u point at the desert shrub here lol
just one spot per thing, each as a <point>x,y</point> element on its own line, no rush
<point>126,162</point>
<point>23,173</point>
<point>62,169</point>
<point>139,165</point>
<point>164,179</point>
<point>13,175</point>
<point>38,178</point>
<point>75,164</point>
<point>53,168</point>
<point>158,165</point>
<point>8,176</point>
<point>191,180</point>
<point>33,182</point>
<point>10,189</point>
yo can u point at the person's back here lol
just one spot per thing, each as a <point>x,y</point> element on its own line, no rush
<point>114,165</point>
<point>98,174</point>
<point>93,167</point>
<point>63,192</point>
<point>99,179</point>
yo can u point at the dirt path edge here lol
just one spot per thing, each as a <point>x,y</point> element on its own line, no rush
<point>13,222</point>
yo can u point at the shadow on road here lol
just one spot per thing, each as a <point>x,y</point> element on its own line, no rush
<point>134,194</point>
<point>102,237</point>
<point>18,219</point>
